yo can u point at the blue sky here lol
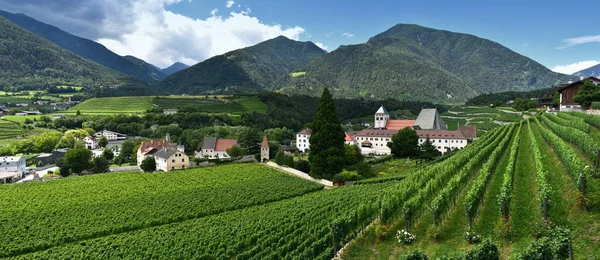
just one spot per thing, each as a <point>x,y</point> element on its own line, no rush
<point>558,34</point>
<point>536,29</point>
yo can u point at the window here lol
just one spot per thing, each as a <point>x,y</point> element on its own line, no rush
<point>173,160</point>
<point>446,141</point>
<point>182,160</point>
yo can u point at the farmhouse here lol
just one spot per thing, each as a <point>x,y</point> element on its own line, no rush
<point>214,148</point>
<point>428,124</point>
<point>12,168</point>
<point>149,147</point>
<point>110,135</point>
<point>28,113</point>
<point>568,91</point>
<point>170,159</point>
<point>90,142</point>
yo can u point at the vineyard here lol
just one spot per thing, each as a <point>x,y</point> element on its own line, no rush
<point>137,105</point>
<point>9,130</point>
<point>519,188</point>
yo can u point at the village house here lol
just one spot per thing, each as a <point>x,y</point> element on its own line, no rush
<point>12,168</point>
<point>167,159</point>
<point>111,136</point>
<point>28,113</point>
<point>21,104</point>
<point>568,91</point>
<point>374,141</point>
<point>214,148</point>
<point>149,147</point>
<point>90,142</point>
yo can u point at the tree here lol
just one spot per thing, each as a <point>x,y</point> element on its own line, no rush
<point>249,140</point>
<point>78,159</point>
<point>78,112</point>
<point>63,167</point>
<point>108,154</point>
<point>236,151</point>
<point>127,150</point>
<point>102,141</point>
<point>587,94</point>
<point>428,150</point>
<point>405,143</point>
<point>100,165</point>
<point>280,158</point>
<point>353,155</point>
<point>327,150</point>
<point>148,164</point>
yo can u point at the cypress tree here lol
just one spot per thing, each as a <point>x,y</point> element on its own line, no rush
<point>327,150</point>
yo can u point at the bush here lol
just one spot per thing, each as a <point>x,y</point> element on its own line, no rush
<point>472,237</point>
<point>382,232</point>
<point>596,105</point>
<point>364,169</point>
<point>64,171</point>
<point>404,237</point>
<point>434,232</point>
<point>350,176</point>
<point>303,166</point>
<point>414,255</point>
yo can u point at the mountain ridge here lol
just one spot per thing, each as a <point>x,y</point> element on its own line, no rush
<point>86,48</point>
<point>593,71</point>
<point>175,67</point>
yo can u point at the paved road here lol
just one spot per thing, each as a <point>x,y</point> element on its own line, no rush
<point>299,174</point>
<point>125,168</point>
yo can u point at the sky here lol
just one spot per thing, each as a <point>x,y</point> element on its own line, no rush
<point>557,34</point>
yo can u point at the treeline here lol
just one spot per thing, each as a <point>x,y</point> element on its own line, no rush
<point>503,97</point>
<point>296,111</point>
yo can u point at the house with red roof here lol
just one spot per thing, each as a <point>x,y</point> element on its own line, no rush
<point>149,147</point>
<point>215,148</point>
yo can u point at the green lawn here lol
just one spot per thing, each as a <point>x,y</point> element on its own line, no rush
<point>298,74</point>
<point>253,104</point>
<point>22,118</point>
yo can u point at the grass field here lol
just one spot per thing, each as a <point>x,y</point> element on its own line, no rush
<point>10,130</point>
<point>298,74</point>
<point>22,118</point>
<point>134,105</point>
<point>113,105</point>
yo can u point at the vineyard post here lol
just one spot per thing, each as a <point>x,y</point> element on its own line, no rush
<point>571,255</point>
<point>545,210</point>
<point>406,225</point>
<point>503,208</point>
<point>582,184</point>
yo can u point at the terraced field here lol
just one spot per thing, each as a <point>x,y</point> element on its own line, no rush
<point>113,105</point>
<point>9,130</point>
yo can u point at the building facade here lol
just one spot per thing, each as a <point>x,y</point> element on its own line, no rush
<point>149,147</point>
<point>168,159</point>
<point>302,140</point>
<point>90,142</point>
<point>568,91</point>
<point>214,148</point>
<point>111,136</point>
<point>264,150</point>
<point>11,168</point>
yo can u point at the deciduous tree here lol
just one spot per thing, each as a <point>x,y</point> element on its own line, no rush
<point>405,143</point>
<point>78,159</point>
<point>148,164</point>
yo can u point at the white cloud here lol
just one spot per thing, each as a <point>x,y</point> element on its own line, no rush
<point>162,37</point>
<point>575,67</point>
<point>322,46</point>
<point>213,12</point>
<point>348,35</point>
<point>580,40</point>
<point>229,4</point>
<point>329,34</point>
<point>525,44</point>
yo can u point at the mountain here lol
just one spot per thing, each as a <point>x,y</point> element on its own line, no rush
<point>177,66</point>
<point>87,48</point>
<point>247,70</point>
<point>28,61</point>
<point>593,71</point>
<point>410,62</point>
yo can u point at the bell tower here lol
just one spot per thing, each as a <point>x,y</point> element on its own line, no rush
<point>381,118</point>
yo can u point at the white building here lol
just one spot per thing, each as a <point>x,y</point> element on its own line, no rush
<point>90,142</point>
<point>302,140</point>
<point>11,168</point>
<point>443,140</point>
<point>111,136</point>
<point>214,148</point>
<point>167,159</point>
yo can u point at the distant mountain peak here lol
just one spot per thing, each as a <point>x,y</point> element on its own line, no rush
<point>177,66</point>
<point>593,71</point>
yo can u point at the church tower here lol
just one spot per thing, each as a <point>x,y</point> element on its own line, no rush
<point>264,150</point>
<point>381,118</point>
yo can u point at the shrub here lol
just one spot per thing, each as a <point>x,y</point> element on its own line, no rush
<point>472,237</point>
<point>303,166</point>
<point>350,176</point>
<point>596,105</point>
<point>382,232</point>
<point>414,255</point>
<point>405,237</point>
<point>434,232</point>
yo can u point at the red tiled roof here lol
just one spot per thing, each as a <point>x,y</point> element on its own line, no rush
<point>377,132</point>
<point>366,142</point>
<point>440,134</point>
<point>349,137</point>
<point>305,132</point>
<point>265,143</point>
<point>399,124</point>
<point>224,144</point>
<point>469,131</point>
<point>156,144</point>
